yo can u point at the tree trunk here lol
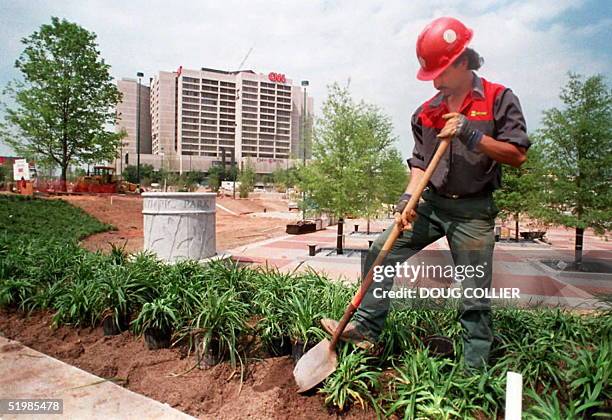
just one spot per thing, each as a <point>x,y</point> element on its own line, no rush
<point>516,227</point>
<point>63,177</point>
<point>578,247</point>
<point>339,238</point>
<point>368,226</point>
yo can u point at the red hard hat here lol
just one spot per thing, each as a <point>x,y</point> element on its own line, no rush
<point>439,44</point>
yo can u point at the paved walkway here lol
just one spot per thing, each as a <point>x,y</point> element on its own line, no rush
<point>26,373</point>
<point>515,265</point>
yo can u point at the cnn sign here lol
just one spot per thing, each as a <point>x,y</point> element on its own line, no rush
<point>277,77</point>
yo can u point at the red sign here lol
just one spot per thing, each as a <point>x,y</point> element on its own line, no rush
<point>277,77</point>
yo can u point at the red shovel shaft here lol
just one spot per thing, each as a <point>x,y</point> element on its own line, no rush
<point>395,232</point>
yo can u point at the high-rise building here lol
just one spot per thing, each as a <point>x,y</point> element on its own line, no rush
<point>127,120</point>
<point>200,116</point>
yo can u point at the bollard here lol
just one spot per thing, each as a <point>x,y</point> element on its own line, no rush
<point>370,242</point>
<point>312,249</point>
<point>356,228</point>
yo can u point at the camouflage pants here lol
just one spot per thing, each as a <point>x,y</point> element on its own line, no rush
<point>468,224</point>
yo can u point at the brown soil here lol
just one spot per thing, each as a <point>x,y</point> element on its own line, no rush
<point>125,214</point>
<point>267,391</point>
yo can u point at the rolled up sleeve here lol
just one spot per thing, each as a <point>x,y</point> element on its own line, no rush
<point>509,120</point>
<point>417,160</point>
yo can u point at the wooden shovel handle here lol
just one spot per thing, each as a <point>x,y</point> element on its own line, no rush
<point>395,232</point>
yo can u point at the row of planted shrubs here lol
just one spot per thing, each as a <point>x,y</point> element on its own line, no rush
<point>231,312</point>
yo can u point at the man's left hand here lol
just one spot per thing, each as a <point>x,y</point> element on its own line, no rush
<point>454,123</point>
<point>458,125</point>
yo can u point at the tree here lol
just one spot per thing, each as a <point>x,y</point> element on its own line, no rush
<point>576,143</point>
<point>354,161</point>
<point>521,190</point>
<point>394,179</point>
<point>215,175</point>
<point>66,100</point>
<point>284,178</point>
<point>130,173</point>
<point>246,179</point>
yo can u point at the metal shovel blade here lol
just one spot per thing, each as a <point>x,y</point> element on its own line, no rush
<point>314,366</point>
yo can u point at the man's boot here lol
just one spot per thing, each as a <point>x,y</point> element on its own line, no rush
<point>351,333</point>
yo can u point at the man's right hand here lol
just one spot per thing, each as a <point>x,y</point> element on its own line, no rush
<point>404,221</point>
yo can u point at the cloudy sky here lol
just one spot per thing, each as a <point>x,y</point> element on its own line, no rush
<point>527,45</point>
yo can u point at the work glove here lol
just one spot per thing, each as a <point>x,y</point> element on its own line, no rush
<point>404,221</point>
<point>402,203</point>
<point>458,125</point>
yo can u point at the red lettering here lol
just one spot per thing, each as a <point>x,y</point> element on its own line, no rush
<point>277,77</point>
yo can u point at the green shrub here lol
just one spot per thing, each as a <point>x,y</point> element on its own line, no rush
<point>355,380</point>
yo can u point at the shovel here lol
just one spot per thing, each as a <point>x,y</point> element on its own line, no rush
<point>321,361</point>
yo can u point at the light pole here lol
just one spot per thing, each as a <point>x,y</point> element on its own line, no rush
<point>140,75</point>
<point>304,84</point>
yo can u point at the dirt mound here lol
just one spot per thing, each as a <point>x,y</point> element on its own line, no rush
<point>267,390</point>
<point>125,213</point>
<point>252,205</point>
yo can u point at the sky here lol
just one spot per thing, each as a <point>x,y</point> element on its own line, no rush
<point>529,46</point>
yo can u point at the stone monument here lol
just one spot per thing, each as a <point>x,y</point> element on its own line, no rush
<point>179,225</point>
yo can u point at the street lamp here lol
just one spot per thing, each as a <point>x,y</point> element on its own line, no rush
<point>139,75</point>
<point>304,84</point>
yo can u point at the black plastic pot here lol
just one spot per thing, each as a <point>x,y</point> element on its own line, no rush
<point>298,349</point>
<point>279,346</point>
<point>212,355</point>
<point>157,339</point>
<point>110,327</point>
<point>439,346</point>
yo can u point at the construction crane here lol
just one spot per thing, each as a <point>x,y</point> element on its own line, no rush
<point>245,58</point>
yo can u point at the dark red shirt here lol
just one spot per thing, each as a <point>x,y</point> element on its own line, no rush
<point>493,109</point>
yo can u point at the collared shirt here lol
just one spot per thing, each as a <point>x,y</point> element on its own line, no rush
<point>493,109</point>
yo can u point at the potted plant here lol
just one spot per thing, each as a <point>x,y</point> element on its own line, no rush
<point>156,321</point>
<point>272,329</point>
<point>221,317</point>
<point>303,313</point>
<point>270,298</point>
<point>117,292</point>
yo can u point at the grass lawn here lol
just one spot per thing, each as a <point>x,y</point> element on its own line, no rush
<point>25,216</point>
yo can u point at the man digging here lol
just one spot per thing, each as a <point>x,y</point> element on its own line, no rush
<point>487,128</point>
